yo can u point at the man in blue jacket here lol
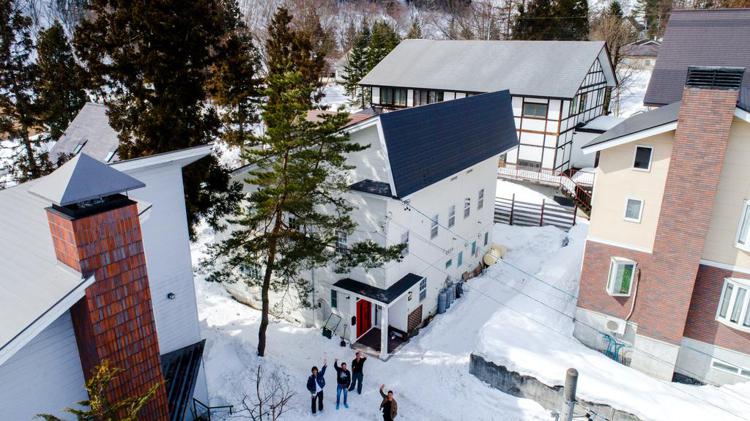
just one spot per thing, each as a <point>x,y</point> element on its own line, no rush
<point>315,384</point>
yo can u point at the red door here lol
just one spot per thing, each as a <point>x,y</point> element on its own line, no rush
<point>364,317</point>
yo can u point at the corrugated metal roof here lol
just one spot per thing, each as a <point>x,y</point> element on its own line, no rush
<point>639,123</point>
<point>31,279</point>
<point>542,68</point>
<point>180,368</point>
<point>429,143</point>
<point>90,126</point>
<point>83,178</point>
<point>641,48</point>
<point>719,37</point>
<point>385,296</point>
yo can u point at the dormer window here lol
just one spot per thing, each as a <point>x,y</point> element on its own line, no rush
<point>79,147</point>
<point>642,160</point>
<point>532,109</point>
<point>743,232</point>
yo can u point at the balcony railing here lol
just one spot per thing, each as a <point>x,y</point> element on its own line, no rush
<point>578,187</point>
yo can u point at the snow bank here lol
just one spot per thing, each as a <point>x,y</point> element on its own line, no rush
<point>534,339</point>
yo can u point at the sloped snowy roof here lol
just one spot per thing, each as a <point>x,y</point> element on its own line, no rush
<point>544,68</point>
<point>91,129</point>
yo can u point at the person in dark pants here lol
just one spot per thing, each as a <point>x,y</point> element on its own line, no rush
<point>315,384</point>
<point>343,379</point>
<point>358,364</point>
<point>389,405</point>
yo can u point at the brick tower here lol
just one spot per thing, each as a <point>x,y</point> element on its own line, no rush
<point>96,231</point>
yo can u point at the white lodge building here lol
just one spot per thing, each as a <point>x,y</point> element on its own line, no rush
<point>556,87</point>
<point>428,180</point>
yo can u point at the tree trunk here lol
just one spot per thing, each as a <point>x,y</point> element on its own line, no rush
<point>33,169</point>
<point>270,260</point>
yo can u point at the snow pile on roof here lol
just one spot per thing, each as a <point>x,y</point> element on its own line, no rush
<point>533,339</point>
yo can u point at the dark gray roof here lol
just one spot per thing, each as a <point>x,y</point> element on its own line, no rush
<point>641,48</point>
<point>698,38</point>
<point>180,368</point>
<point>429,143</point>
<point>744,100</point>
<point>90,126</point>
<point>639,123</point>
<point>543,68</point>
<point>83,178</point>
<point>385,296</point>
<point>375,187</point>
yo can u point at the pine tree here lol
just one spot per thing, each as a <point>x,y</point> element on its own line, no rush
<point>18,73</point>
<point>357,66</point>
<point>573,24</point>
<point>235,84</point>
<point>552,20</point>
<point>415,31</point>
<point>99,407</point>
<point>533,21</point>
<point>348,37</point>
<point>655,14</point>
<point>151,61</point>
<point>299,173</point>
<point>60,85</point>
<point>384,38</point>
<point>287,47</point>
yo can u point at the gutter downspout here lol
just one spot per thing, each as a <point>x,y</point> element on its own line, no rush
<point>635,294</point>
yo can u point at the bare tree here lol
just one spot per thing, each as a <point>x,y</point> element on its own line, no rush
<point>270,399</point>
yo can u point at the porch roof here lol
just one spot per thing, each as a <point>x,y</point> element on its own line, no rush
<point>385,296</point>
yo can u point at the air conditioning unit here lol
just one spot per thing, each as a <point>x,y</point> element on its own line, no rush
<point>615,325</point>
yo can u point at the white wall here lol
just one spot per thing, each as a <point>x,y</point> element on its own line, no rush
<point>44,376</point>
<point>167,247</point>
<point>578,158</point>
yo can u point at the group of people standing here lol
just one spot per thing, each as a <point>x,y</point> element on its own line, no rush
<point>346,381</point>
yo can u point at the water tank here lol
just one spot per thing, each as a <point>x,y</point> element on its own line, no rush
<point>451,293</point>
<point>442,301</point>
<point>459,289</point>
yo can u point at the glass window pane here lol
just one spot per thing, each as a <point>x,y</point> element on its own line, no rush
<point>642,158</point>
<point>725,302</point>
<point>633,209</point>
<point>745,227</point>
<point>738,302</point>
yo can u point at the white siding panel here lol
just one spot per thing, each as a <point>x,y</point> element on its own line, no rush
<point>530,124</point>
<point>410,98</point>
<point>532,139</point>
<point>530,153</point>
<point>549,157</point>
<point>44,376</point>
<point>512,156</point>
<point>517,103</point>
<point>553,110</point>
<point>550,141</point>
<point>448,95</point>
<point>460,95</point>
<point>518,122</point>
<point>376,95</point>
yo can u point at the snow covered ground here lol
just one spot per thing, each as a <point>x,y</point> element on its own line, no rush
<point>500,317</point>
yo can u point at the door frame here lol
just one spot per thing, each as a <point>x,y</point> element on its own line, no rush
<point>358,318</point>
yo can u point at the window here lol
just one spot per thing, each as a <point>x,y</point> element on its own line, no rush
<point>78,147</point>
<point>480,199</point>
<point>486,238</point>
<point>424,97</point>
<point>393,96</point>
<point>251,270</point>
<point>633,210</point>
<point>531,109</point>
<point>460,258</point>
<point>743,232</point>
<point>573,106</point>
<point>341,242</point>
<point>293,224</point>
<point>529,165</point>
<point>110,155</point>
<point>729,368</point>
<point>621,273</point>
<point>334,299</point>
<point>733,304</point>
<point>467,207</point>
<point>422,289</point>
<point>405,241</point>
<point>451,216</point>
<point>642,160</point>
<point>582,103</point>
<point>434,227</point>
<point>473,248</point>
<point>448,263</point>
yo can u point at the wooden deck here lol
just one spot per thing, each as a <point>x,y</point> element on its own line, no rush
<point>371,340</point>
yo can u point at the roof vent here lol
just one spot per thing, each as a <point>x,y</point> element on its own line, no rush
<point>715,77</point>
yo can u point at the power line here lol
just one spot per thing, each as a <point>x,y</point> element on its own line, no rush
<point>656,358</point>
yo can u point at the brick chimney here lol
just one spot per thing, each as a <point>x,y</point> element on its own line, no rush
<point>700,143</point>
<point>96,230</point>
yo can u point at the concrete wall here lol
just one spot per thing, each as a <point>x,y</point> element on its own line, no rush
<point>616,180</point>
<point>550,397</point>
<point>44,376</point>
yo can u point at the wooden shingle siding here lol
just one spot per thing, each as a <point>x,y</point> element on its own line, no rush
<point>45,376</point>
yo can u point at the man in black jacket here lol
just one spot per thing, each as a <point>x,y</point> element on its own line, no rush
<point>358,364</point>
<point>315,384</point>
<point>343,379</point>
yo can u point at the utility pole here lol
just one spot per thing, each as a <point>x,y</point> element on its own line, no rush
<point>569,395</point>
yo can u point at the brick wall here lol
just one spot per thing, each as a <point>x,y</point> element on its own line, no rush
<point>115,320</point>
<point>701,322</point>
<point>667,276</point>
